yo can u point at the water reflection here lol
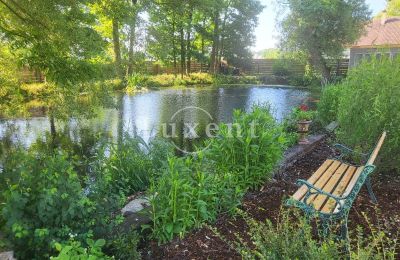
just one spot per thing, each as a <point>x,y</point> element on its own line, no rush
<point>144,114</point>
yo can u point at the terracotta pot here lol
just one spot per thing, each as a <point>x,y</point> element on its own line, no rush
<point>302,128</point>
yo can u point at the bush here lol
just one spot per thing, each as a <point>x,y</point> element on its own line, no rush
<point>281,68</point>
<point>293,238</point>
<point>252,146</point>
<point>187,196</point>
<point>74,250</point>
<point>329,104</point>
<point>193,191</point>
<point>368,105</point>
<point>44,204</point>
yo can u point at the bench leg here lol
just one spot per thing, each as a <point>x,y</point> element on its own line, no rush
<point>370,192</point>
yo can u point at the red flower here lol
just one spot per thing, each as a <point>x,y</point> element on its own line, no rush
<point>303,107</point>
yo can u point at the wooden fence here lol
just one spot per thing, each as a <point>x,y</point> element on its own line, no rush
<point>28,75</point>
<point>265,67</point>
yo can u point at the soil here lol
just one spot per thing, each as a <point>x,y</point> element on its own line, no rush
<point>267,202</point>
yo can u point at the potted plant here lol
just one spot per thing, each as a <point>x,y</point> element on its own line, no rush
<point>304,118</point>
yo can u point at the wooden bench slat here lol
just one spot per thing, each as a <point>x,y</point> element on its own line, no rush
<point>349,187</point>
<point>340,188</point>
<point>330,186</point>
<point>303,189</point>
<point>324,179</point>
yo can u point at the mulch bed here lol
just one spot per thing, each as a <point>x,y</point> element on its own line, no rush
<point>267,202</point>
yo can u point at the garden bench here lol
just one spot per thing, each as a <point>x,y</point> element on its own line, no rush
<point>330,192</point>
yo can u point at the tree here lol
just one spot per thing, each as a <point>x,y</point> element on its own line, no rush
<point>322,28</point>
<point>57,38</point>
<point>393,8</point>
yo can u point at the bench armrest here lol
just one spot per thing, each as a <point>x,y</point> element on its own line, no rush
<point>344,150</point>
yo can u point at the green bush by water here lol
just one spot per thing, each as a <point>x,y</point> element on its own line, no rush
<point>329,104</point>
<point>251,151</point>
<point>47,197</point>
<point>367,104</point>
<point>194,190</point>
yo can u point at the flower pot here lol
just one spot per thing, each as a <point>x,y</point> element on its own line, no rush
<point>303,127</point>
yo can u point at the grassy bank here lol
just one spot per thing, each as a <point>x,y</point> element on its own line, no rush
<point>139,81</point>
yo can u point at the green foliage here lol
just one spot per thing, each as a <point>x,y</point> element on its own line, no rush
<point>187,196</point>
<point>322,28</point>
<point>252,146</point>
<point>124,245</point>
<point>74,250</point>
<point>329,103</point>
<point>44,203</point>
<point>131,164</point>
<point>368,105</point>
<point>193,191</point>
<point>233,80</point>
<point>271,53</point>
<point>281,68</point>
<point>293,238</point>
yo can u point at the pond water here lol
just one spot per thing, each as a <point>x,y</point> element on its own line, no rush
<point>145,114</point>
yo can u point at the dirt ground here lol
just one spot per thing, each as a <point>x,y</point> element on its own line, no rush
<point>266,203</point>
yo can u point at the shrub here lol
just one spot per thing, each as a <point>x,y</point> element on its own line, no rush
<point>127,167</point>
<point>369,104</point>
<point>281,68</point>
<point>124,245</point>
<point>292,237</point>
<point>44,203</point>
<point>251,146</point>
<point>192,191</point>
<point>137,81</point>
<point>187,196</point>
<point>74,250</point>
<point>329,104</point>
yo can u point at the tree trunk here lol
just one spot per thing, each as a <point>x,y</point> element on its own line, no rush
<point>132,28</point>
<point>202,47</point>
<point>131,44</point>
<point>183,56</point>
<point>188,44</point>
<point>117,47</point>
<point>174,46</point>
<point>214,50</point>
<point>318,61</point>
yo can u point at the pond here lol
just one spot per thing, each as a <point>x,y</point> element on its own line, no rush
<point>147,114</point>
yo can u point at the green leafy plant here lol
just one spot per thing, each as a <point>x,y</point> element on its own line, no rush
<point>43,203</point>
<point>367,105</point>
<point>329,103</point>
<point>251,146</point>
<point>124,245</point>
<point>292,237</point>
<point>74,250</point>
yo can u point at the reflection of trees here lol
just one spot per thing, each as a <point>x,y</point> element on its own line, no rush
<point>170,104</point>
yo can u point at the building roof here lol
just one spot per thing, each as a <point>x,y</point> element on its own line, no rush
<point>381,32</point>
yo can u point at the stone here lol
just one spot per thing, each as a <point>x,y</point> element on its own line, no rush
<point>332,126</point>
<point>7,255</point>
<point>135,206</point>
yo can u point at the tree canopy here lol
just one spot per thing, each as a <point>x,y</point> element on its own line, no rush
<point>322,28</point>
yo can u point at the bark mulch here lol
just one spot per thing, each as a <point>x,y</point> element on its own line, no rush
<point>267,202</point>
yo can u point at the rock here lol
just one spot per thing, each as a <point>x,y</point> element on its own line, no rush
<point>135,206</point>
<point>332,126</point>
<point>7,255</point>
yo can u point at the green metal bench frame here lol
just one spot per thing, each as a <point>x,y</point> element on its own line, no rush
<point>344,203</point>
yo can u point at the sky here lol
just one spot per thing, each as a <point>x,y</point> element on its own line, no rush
<point>266,32</point>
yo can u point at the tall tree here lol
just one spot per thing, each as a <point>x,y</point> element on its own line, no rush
<point>322,28</point>
<point>57,38</point>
